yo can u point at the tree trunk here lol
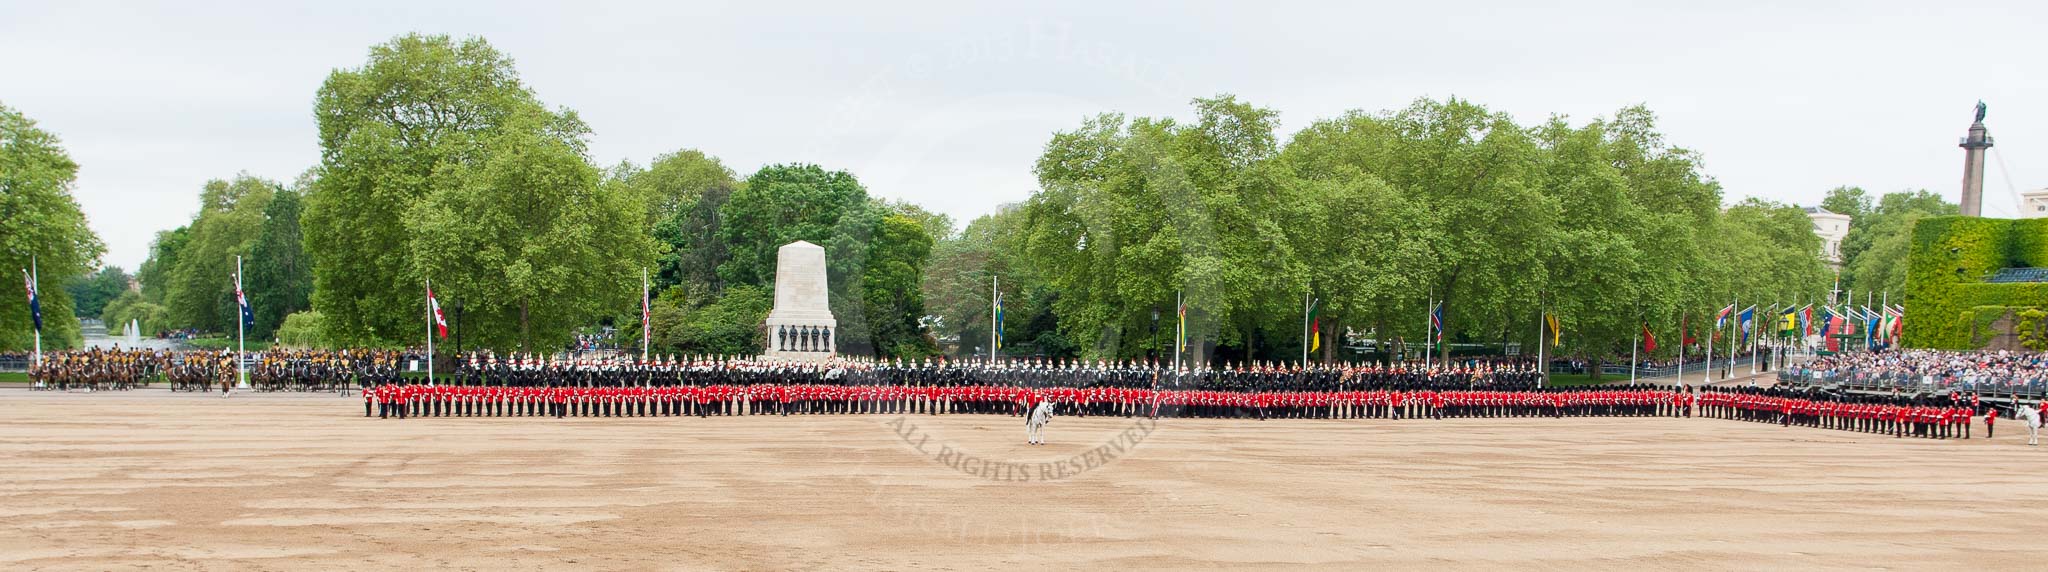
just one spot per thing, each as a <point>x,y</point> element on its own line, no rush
<point>524,329</point>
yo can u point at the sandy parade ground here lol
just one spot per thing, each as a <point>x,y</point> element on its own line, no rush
<point>161,481</point>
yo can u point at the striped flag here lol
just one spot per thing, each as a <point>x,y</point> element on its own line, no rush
<point>999,320</point>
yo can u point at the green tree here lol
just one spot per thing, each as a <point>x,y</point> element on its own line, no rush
<point>201,291</point>
<point>280,278</point>
<point>155,273</point>
<point>43,225</point>
<point>1874,252</point>
<point>437,162</point>
<point>91,293</point>
<point>526,240</point>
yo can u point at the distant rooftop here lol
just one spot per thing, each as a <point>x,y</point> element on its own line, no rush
<point>1818,210</point>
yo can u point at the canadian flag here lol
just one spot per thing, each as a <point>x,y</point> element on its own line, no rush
<point>440,323</point>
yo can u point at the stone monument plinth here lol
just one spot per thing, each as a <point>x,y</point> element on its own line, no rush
<point>801,325</point>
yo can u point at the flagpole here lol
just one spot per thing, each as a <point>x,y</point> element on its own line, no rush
<point>646,330</point>
<point>430,332</point>
<point>1681,349</point>
<point>1542,319</point>
<point>1733,325</point>
<point>994,284</point>
<point>1304,327</point>
<point>1180,309</point>
<point>35,278</point>
<point>1754,355</point>
<point>241,345</point>
<point>1633,346</point>
<point>1428,328</point>
<point>1710,355</point>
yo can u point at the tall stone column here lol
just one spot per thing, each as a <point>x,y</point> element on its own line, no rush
<point>1974,146</point>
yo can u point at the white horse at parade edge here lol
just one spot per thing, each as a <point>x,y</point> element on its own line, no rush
<point>1034,423</point>
<point>2030,416</point>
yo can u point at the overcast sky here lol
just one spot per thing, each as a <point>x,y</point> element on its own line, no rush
<point>947,104</point>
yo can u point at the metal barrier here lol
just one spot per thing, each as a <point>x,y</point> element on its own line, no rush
<point>1912,383</point>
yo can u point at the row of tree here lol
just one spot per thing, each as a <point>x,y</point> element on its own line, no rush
<point>1378,215</point>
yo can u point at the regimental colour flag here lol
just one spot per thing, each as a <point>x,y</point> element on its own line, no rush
<point>440,323</point>
<point>35,302</point>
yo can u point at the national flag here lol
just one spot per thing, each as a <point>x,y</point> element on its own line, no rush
<point>1436,321</point>
<point>35,302</point>
<point>1898,324</point>
<point>1721,319</point>
<point>999,320</point>
<point>1748,321</point>
<point>1806,321</point>
<point>1183,326</point>
<point>1649,339</point>
<point>242,302</point>
<point>1685,333</point>
<point>1789,322</point>
<point>1556,332</point>
<point>1315,326</point>
<point>440,323</point>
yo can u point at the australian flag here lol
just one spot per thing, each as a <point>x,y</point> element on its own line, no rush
<point>242,301</point>
<point>35,303</point>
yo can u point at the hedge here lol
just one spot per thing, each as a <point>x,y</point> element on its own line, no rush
<point>1950,259</point>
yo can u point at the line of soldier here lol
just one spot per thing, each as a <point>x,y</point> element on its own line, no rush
<point>319,370</point>
<point>526,386</point>
<point>1895,415</point>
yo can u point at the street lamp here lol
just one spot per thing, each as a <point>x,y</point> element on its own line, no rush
<point>1155,333</point>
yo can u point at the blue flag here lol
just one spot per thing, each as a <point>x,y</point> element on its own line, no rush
<point>248,316</point>
<point>999,321</point>
<point>35,303</point>
<point>1747,319</point>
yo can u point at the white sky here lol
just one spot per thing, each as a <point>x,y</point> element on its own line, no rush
<point>947,104</point>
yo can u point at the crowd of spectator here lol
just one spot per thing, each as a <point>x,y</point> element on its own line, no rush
<point>1930,370</point>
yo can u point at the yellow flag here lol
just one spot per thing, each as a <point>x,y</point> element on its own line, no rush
<point>1556,335</point>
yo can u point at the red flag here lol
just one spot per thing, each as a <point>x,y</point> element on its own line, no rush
<point>1649,339</point>
<point>1685,335</point>
<point>440,323</point>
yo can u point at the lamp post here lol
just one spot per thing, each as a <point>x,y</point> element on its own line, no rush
<point>1155,333</point>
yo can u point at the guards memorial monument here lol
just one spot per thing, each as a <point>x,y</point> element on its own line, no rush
<point>801,325</point>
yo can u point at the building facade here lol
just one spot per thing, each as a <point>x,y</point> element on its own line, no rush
<point>1832,227</point>
<point>2034,204</point>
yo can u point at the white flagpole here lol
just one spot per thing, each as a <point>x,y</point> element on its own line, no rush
<point>1428,328</point>
<point>994,290</point>
<point>1734,341</point>
<point>1305,307</point>
<point>241,346</point>
<point>35,277</point>
<point>1180,316</point>
<point>646,331</point>
<point>1710,354</point>
<point>430,331</point>
<point>1681,349</point>
<point>1542,320</point>
<point>1635,344</point>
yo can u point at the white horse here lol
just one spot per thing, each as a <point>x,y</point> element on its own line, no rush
<point>1034,423</point>
<point>2030,416</point>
